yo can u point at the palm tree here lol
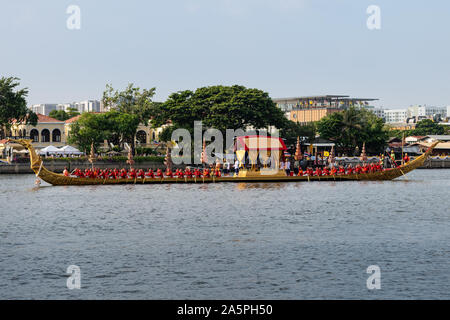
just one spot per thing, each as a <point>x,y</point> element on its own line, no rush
<point>351,122</point>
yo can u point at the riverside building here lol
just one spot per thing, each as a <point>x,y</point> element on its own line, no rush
<point>313,108</point>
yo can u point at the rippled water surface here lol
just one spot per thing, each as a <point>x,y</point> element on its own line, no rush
<point>227,241</point>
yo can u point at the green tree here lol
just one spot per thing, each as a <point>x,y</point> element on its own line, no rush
<point>353,127</point>
<point>132,101</point>
<point>13,105</point>
<point>94,128</point>
<point>427,127</point>
<point>63,115</point>
<point>220,107</point>
<point>72,112</point>
<point>122,126</point>
<point>291,130</point>
<point>89,128</point>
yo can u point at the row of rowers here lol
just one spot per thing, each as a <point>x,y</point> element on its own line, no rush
<point>368,168</point>
<point>97,173</point>
<point>206,173</point>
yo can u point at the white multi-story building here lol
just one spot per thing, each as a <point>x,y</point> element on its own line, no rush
<point>396,115</point>
<point>379,112</point>
<point>43,108</point>
<point>65,106</point>
<point>83,106</point>
<point>87,106</point>
<point>426,111</point>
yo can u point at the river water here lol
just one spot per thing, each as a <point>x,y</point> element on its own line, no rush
<point>227,241</point>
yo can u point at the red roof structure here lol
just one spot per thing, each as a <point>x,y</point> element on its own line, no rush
<point>259,143</point>
<point>45,119</point>
<point>73,119</point>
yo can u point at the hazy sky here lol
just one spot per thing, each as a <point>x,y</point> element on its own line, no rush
<point>285,47</point>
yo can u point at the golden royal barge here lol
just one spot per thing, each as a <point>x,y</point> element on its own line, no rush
<point>245,175</point>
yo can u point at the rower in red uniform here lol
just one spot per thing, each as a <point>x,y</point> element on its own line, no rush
<point>326,172</point>
<point>169,173</point>
<point>188,172</point>
<point>350,169</point>
<point>159,173</point>
<point>365,169</point>
<point>300,172</point>
<point>91,174</point>
<point>180,173</point>
<point>333,171</point>
<point>206,173</point>
<point>309,172</point>
<point>103,174</point>
<point>114,174</point>
<point>141,174</point>
<point>318,172</point>
<point>197,173</point>
<point>123,174</point>
<point>358,169</point>
<point>133,173</point>
<point>341,170</point>
<point>150,173</point>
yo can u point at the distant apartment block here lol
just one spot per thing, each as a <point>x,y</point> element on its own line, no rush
<point>426,112</point>
<point>395,115</point>
<point>83,106</point>
<point>379,112</point>
<point>88,106</point>
<point>43,108</point>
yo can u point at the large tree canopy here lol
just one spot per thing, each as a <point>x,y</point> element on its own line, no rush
<point>423,128</point>
<point>13,104</point>
<point>427,127</point>
<point>89,128</point>
<point>292,130</point>
<point>352,128</point>
<point>64,115</point>
<point>94,128</point>
<point>219,107</point>
<point>130,102</point>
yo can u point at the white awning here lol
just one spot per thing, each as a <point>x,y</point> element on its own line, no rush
<point>70,150</point>
<point>50,150</point>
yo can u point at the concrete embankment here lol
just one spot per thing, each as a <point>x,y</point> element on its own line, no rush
<point>436,164</point>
